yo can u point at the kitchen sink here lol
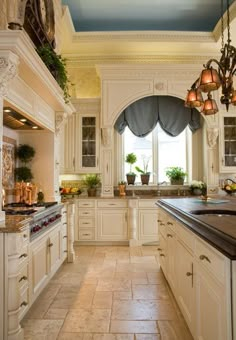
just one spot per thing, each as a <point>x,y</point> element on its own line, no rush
<point>218,212</point>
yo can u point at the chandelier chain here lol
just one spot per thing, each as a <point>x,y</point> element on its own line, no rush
<point>222,26</point>
<point>228,21</point>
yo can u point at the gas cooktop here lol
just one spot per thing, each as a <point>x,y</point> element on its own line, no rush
<point>26,209</point>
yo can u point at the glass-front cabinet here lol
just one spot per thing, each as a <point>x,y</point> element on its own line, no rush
<point>228,144</point>
<point>87,143</point>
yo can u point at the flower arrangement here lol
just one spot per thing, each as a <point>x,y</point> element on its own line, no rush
<point>198,185</point>
<point>146,161</point>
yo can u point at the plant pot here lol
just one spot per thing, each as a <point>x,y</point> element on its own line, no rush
<point>177,181</point>
<point>122,189</point>
<point>197,191</point>
<point>145,179</point>
<point>92,192</point>
<point>130,179</point>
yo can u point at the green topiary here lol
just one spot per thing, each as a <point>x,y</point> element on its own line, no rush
<point>25,153</point>
<point>131,159</point>
<point>23,173</point>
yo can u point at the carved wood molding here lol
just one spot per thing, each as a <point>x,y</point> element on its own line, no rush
<point>60,118</point>
<point>8,70</point>
<point>16,13</point>
<point>212,135</point>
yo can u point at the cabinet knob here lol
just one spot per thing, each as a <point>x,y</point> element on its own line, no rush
<point>65,236</point>
<point>23,255</point>
<point>24,303</point>
<point>25,235</point>
<point>169,223</point>
<point>204,257</point>
<point>23,278</point>
<point>162,255</point>
<point>159,220</point>
<point>189,274</point>
<point>85,234</point>
<point>162,224</point>
<point>159,249</point>
<point>169,235</point>
<point>50,245</point>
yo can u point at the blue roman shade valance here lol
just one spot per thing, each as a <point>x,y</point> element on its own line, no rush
<point>142,116</point>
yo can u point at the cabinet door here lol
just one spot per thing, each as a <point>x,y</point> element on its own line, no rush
<point>86,143</point>
<point>212,315</point>
<point>69,146</point>
<point>112,225</point>
<point>39,263</point>
<point>54,245</point>
<point>171,259</point>
<point>185,284</point>
<point>228,143</point>
<point>148,230</point>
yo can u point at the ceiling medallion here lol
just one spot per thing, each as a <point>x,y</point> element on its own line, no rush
<point>212,79</point>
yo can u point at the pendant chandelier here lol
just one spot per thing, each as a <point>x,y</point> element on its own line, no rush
<point>212,79</point>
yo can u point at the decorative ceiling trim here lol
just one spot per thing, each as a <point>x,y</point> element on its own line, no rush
<point>77,61</point>
<point>147,36</point>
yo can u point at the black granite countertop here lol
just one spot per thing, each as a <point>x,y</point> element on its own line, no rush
<point>217,229</point>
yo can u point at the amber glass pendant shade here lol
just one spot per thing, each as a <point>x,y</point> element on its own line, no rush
<point>194,98</point>
<point>209,80</point>
<point>233,98</point>
<point>209,107</point>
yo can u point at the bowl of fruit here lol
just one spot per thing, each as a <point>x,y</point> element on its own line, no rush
<point>229,186</point>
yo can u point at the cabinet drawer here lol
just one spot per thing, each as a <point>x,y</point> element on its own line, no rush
<point>23,277</point>
<point>86,234</point>
<point>24,302</point>
<point>162,229</point>
<point>86,222</point>
<point>147,203</point>
<point>86,204</point>
<point>86,212</point>
<point>211,260</point>
<point>112,203</point>
<point>186,236</point>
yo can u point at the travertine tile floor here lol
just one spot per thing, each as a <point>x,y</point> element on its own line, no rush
<point>108,293</point>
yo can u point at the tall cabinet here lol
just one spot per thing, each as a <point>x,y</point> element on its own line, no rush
<point>228,143</point>
<point>82,138</point>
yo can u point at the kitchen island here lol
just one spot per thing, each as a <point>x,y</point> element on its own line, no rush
<point>197,255</point>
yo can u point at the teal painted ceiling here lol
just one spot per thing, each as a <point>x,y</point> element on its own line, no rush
<point>144,15</point>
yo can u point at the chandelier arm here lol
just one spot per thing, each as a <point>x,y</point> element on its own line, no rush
<point>194,87</point>
<point>208,64</point>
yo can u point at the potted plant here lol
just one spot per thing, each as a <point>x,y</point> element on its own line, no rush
<point>145,175</point>
<point>122,186</point>
<point>25,153</point>
<point>130,159</point>
<point>176,175</point>
<point>92,181</point>
<point>57,67</point>
<point>197,187</point>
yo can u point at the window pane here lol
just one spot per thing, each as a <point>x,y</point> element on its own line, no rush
<point>171,152</point>
<point>142,148</point>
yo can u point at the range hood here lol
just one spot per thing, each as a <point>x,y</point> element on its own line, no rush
<point>16,121</point>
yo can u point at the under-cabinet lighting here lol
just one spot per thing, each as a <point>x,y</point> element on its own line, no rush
<point>35,127</point>
<point>23,120</point>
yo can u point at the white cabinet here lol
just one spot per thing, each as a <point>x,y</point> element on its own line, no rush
<point>199,276</point>
<point>147,221</point>
<point>45,259</point>
<point>82,138</point>
<point>86,220</point>
<point>112,218</point>
<point>185,284</point>
<point>212,294</point>
<point>227,139</point>
<point>86,143</point>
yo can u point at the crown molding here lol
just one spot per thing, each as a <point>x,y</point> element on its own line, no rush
<point>147,36</point>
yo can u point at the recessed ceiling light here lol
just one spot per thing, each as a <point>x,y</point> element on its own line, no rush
<point>6,110</point>
<point>34,127</point>
<point>23,120</point>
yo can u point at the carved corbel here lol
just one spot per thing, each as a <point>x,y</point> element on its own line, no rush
<point>59,120</point>
<point>8,70</point>
<point>16,13</point>
<point>212,135</point>
<point>107,136</point>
